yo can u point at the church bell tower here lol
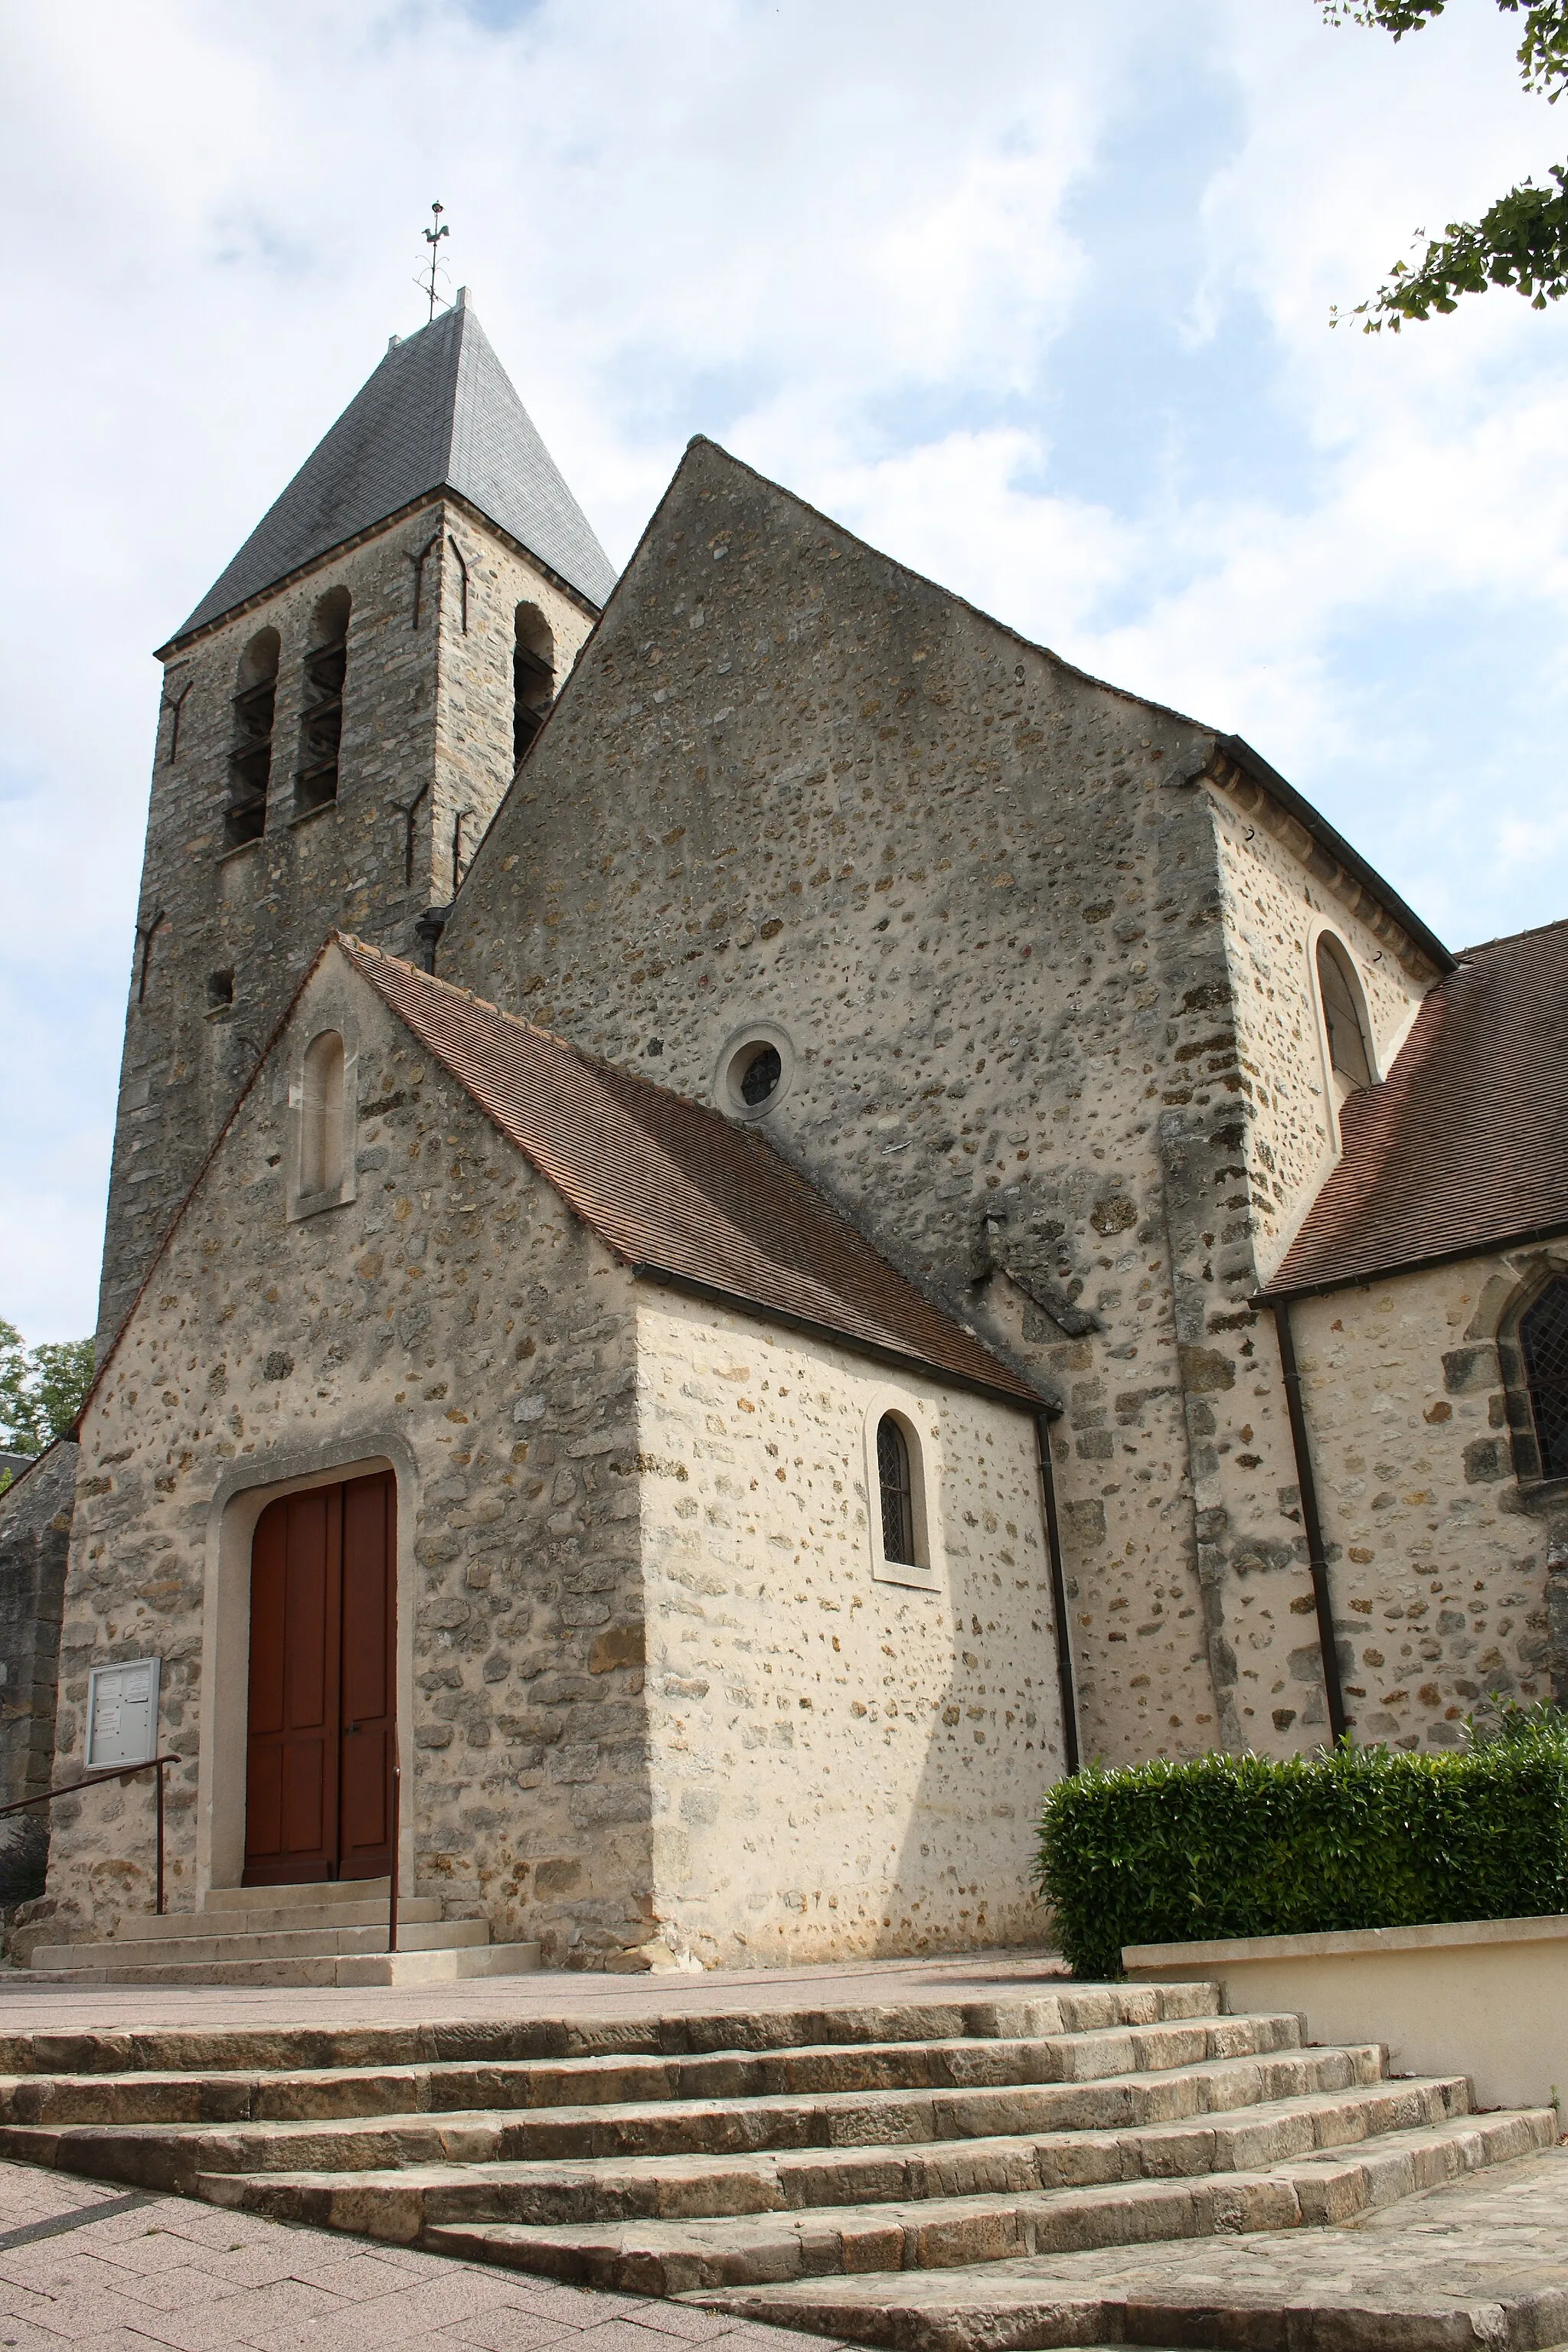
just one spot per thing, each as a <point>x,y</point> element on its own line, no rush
<point>340,716</point>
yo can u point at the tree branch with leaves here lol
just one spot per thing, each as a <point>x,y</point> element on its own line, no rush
<point>1521,240</point>
<point>41,1389</point>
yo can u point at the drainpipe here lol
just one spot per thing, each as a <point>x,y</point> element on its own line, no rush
<point>427,928</point>
<point>1317,1556</point>
<point>1059,1591</point>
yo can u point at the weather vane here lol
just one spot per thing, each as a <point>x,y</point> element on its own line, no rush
<point>433,239</point>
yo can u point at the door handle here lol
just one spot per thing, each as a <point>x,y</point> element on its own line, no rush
<point>350,1727</point>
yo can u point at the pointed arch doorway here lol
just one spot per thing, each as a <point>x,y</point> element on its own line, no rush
<point>321,1738</point>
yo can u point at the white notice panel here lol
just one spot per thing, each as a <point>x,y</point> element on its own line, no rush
<point>122,1714</point>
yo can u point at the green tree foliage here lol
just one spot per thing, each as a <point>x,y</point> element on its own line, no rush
<point>41,1389</point>
<point>1521,240</point>
<point>1239,1846</point>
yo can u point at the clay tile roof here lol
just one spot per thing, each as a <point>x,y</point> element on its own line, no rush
<point>1465,1144</point>
<point>439,413</point>
<point>676,1189</point>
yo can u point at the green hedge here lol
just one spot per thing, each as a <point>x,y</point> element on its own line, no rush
<point>1235,1845</point>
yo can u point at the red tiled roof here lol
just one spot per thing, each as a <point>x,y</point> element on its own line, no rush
<point>673,1187</point>
<point>1465,1144</point>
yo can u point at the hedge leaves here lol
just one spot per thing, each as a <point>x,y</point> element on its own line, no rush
<point>1237,1845</point>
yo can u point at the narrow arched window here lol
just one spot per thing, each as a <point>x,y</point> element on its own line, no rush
<point>1350,1053</point>
<point>893,1472</point>
<point>1544,1344</point>
<point>250,761</point>
<point>533,677</point>
<point>321,1117</point>
<point>322,718</point>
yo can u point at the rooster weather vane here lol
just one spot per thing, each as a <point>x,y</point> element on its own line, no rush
<point>433,239</point>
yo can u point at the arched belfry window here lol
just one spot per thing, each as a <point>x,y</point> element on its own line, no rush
<point>321,720</point>
<point>1544,1344</point>
<point>250,761</point>
<point>1350,1050</point>
<point>895,1475</point>
<point>322,1118</point>
<point>533,677</point>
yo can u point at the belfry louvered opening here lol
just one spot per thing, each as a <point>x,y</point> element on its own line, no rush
<point>533,677</point>
<point>250,758</point>
<point>322,718</point>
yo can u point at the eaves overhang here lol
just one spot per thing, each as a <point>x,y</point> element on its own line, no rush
<point>1234,751</point>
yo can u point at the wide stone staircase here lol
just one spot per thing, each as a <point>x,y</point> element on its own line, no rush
<point>326,1934</point>
<point>809,2165</point>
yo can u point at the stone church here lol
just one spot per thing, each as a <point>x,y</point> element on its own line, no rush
<point>748,1216</point>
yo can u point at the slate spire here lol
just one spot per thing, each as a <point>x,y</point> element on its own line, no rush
<point>439,413</point>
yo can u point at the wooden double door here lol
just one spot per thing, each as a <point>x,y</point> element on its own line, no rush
<point>320,1740</point>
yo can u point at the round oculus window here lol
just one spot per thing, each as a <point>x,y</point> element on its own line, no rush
<point>760,1079</point>
<point>754,1070</point>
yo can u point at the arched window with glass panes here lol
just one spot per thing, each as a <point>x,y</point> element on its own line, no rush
<point>894,1471</point>
<point>1543,1346</point>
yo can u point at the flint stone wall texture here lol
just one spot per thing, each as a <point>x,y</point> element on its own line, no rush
<point>35,1533</point>
<point>1447,1568</point>
<point>840,1765</point>
<point>453,1306</point>
<point>984,896</point>
<point>427,717</point>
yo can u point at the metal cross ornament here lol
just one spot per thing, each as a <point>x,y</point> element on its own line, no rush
<point>433,239</point>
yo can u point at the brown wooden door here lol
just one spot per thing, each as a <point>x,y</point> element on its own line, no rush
<point>322,1686</point>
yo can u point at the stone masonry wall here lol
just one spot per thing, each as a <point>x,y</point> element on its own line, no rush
<point>1276,910</point>
<point>454,1315</point>
<point>841,1765</point>
<point>1248,1136</point>
<point>1445,1566</point>
<point>426,725</point>
<point>34,1532</point>
<point>980,895</point>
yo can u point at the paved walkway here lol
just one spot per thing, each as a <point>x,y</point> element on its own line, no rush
<point>105,2270</point>
<point>29,2008</point>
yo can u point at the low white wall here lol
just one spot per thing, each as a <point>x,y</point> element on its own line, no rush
<point>1486,1997</point>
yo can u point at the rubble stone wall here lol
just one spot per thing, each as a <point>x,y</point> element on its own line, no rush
<point>981,897</point>
<point>453,1318</point>
<point>1446,1568</point>
<point>35,1534</point>
<point>841,1765</point>
<point>427,725</point>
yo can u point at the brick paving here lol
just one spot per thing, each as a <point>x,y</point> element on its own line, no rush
<point>111,2271</point>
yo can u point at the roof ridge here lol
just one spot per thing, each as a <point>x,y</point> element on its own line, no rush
<point>1509,939</point>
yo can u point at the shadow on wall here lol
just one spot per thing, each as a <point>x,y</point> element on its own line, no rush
<point>35,1539</point>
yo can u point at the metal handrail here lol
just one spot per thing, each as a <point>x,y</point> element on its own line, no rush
<point>96,1781</point>
<point>392,1876</point>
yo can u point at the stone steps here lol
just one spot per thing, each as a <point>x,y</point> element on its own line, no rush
<point>328,1934</point>
<point>221,1916</point>
<point>450,1965</point>
<point>684,2031</point>
<point>582,2109</point>
<point>1480,2261</point>
<point>779,2146</point>
<point>436,2180</point>
<point>760,2155</point>
<point>698,2257</point>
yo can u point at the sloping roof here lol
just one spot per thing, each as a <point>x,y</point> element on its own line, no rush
<point>439,413</point>
<point>1465,1144</point>
<point>675,1189</point>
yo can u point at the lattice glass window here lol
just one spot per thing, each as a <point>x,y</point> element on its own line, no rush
<point>897,1493</point>
<point>1543,1343</point>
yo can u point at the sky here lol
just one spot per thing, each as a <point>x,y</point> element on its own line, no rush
<point>1035,295</point>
